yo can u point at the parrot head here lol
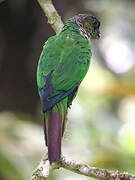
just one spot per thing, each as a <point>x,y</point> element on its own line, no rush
<point>88,25</point>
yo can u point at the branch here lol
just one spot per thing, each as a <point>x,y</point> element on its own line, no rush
<point>42,172</point>
<point>53,18</point>
<point>43,169</point>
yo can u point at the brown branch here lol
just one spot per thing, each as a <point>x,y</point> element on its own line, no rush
<point>53,18</point>
<point>42,172</point>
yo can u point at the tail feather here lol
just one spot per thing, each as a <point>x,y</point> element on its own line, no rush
<point>64,123</point>
<point>54,125</point>
<point>54,137</point>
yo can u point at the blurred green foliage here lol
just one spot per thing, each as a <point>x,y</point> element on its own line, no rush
<point>101,123</point>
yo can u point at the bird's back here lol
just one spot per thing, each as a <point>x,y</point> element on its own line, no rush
<point>63,64</point>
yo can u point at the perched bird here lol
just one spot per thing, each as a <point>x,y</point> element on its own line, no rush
<point>62,66</point>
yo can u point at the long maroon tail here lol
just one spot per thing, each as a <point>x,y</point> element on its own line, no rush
<point>53,130</point>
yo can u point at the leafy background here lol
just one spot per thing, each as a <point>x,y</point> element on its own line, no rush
<point>101,122</point>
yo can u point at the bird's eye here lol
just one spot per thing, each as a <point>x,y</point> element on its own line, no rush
<point>96,23</point>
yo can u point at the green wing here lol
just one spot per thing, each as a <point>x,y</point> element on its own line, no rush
<point>65,58</point>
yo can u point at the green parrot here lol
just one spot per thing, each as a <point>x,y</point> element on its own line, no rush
<point>62,66</point>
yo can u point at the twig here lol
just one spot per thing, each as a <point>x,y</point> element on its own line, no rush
<point>42,172</point>
<point>43,169</point>
<point>93,171</point>
<point>53,18</point>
